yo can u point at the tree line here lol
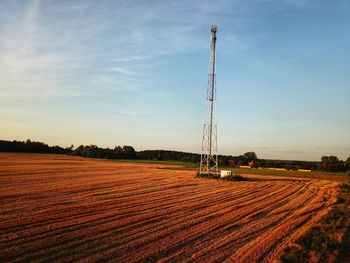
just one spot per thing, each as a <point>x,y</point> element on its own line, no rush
<point>93,151</point>
<point>327,163</point>
<point>32,147</point>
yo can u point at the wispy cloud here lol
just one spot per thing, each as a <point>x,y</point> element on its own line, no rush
<point>56,48</point>
<point>122,71</point>
<point>132,58</point>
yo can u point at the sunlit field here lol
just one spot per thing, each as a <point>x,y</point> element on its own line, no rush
<point>63,208</point>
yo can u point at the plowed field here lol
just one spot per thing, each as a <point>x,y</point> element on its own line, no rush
<point>61,208</point>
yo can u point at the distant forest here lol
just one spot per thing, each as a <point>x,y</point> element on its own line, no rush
<point>327,163</point>
<point>32,147</point>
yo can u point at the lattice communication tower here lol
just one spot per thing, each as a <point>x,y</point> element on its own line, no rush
<point>209,158</point>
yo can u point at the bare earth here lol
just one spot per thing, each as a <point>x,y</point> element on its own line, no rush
<point>61,208</point>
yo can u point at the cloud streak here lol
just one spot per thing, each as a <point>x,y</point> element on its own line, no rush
<point>48,47</point>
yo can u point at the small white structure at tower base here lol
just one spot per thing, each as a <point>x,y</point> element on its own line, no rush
<point>225,173</point>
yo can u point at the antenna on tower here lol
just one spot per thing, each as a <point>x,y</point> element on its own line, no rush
<point>209,158</point>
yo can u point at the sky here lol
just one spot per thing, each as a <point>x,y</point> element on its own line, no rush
<point>135,73</point>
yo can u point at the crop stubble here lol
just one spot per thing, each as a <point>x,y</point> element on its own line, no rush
<point>65,208</point>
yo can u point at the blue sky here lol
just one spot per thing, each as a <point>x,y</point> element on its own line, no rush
<point>135,72</point>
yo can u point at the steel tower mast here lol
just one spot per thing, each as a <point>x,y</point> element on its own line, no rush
<point>209,158</point>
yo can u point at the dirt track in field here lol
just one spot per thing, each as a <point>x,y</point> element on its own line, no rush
<point>61,208</point>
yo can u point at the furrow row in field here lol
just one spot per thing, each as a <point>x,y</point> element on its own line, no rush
<point>144,196</point>
<point>229,223</point>
<point>171,232</point>
<point>128,222</point>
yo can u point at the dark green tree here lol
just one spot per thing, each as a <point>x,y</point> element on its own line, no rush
<point>118,152</point>
<point>324,164</point>
<point>248,157</point>
<point>129,152</point>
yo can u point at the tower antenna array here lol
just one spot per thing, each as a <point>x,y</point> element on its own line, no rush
<point>209,158</point>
